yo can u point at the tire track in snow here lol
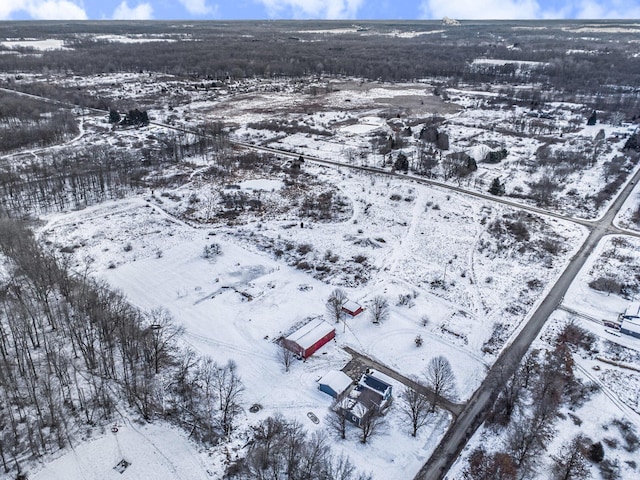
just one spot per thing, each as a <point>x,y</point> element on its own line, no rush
<point>628,412</point>
<point>232,347</point>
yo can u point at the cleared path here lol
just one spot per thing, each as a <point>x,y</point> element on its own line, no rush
<point>360,360</point>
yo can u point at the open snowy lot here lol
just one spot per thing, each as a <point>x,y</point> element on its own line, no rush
<point>244,201</point>
<point>461,272</point>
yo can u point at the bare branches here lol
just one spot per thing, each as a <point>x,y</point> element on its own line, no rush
<point>416,409</point>
<point>334,304</point>
<point>440,378</point>
<point>379,311</point>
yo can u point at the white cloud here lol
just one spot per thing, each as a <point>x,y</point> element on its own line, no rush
<point>144,11</point>
<point>329,9</point>
<point>529,9</point>
<point>7,7</point>
<point>43,9</point>
<point>56,10</point>
<point>480,9</point>
<point>589,9</point>
<point>198,7</point>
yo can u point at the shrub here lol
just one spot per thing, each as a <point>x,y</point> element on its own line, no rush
<point>360,258</point>
<point>610,469</point>
<point>596,452</point>
<point>519,230</point>
<point>211,251</point>
<point>304,248</point>
<point>629,435</point>
<point>606,284</point>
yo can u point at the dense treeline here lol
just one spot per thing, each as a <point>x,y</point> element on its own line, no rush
<point>29,122</point>
<point>74,354</point>
<point>63,179</point>
<point>40,133</point>
<point>218,50</point>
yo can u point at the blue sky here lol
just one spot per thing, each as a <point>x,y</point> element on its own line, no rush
<point>316,9</point>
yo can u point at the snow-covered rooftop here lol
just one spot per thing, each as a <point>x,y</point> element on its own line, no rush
<point>630,326</point>
<point>633,310</point>
<point>338,381</point>
<point>351,306</point>
<point>310,333</point>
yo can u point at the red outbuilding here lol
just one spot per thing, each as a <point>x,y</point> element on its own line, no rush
<point>309,338</point>
<point>351,308</point>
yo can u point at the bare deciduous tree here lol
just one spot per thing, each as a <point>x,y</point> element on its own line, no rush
<point>379,311</point>
<point>571,464</point>
<point>371,421</point>
<point>337,420</point>
<point>162,334</point>
<point>286,356</point>
<point>230,390</point>
<point>440,378</point>
<point>415,408</point>
<point>334,304</point>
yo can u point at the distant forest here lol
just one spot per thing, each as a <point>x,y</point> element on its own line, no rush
<point>576,61</point>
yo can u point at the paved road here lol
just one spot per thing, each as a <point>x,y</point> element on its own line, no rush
<point>476,410</point>
<point>363,360</point>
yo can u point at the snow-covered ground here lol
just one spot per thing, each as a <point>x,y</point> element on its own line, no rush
<point>453,258</point>
<point>152,451</point>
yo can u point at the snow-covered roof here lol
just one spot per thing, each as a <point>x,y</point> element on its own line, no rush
<point>310,333</point>
<point>376,381</point>
<point>351,306</point>
<point>631,326</point>
<point>633,310</point>
<point>338,381</point>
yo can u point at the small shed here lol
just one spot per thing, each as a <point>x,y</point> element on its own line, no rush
<point>630,327</point>
<point>309,338</point>
<point>334,383</point>
<point>351,308</point>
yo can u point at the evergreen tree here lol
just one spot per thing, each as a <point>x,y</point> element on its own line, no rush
<point>402,163</point>
<point>496,188</point>
<point>114,116</point>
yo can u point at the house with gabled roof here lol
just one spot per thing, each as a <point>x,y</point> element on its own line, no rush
<point>371,395</point>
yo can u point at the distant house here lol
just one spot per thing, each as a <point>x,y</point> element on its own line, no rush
<point>630,320</point>
<point>335,383</point>
<point>630,327</point>
<point>371,395</point>
<point>351,308</point>
<point>305,341</point>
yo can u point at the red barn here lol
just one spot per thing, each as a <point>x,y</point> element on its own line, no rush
<point>309,338</point>
<point>351,308</point>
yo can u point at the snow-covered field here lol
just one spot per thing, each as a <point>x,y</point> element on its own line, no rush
<point>146,448</point>
<point>463,273</point>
